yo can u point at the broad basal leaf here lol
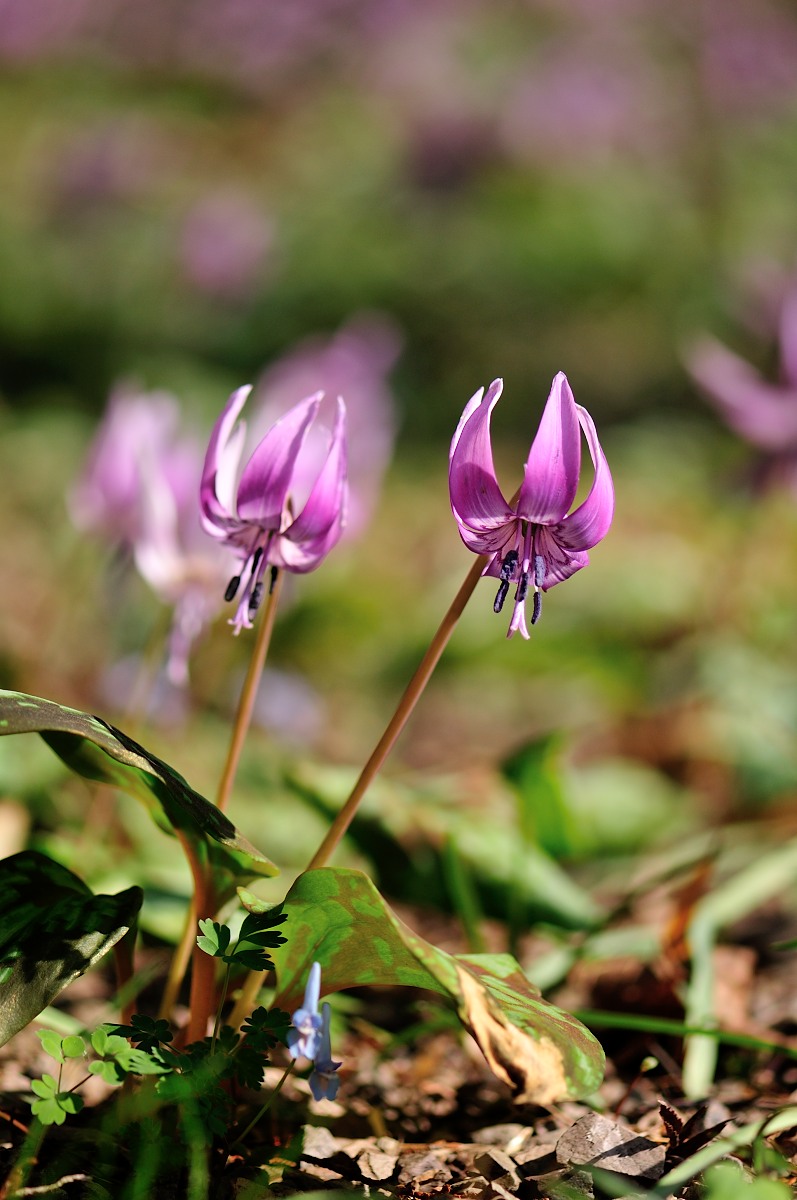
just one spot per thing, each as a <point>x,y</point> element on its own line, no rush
<point>54,928</point>
<point>338,918</point>
<point>96,750</point>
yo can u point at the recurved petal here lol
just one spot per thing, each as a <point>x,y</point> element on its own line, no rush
<point>590,522</point>
<point>553,466</point>
<point>221,463</point>
<point>495,541</point>
<point>266,478</point>
<point>476,499</point>
<point>320,523</point>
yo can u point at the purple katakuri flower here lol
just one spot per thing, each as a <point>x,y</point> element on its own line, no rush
<point>763,413</point>
<point>263,516</point>
<point>304,1039</point>
<point>534,543</point>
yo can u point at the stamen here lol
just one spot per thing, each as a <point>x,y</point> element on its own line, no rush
<point>501,595</point>
<point>273,584</point>
<point>256,557</point>
<point>536,611</point>
<point>522,587</point>
<point>539,570</point>
<point>232,587</point>
<point>508,567</point>
<point>255,598</point>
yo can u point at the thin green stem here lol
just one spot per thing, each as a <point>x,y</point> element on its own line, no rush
<point>399,719</point>
<point>223,997</point>
<point>26,1159</point>
<point>246,703</point>
<point>262,1111</point>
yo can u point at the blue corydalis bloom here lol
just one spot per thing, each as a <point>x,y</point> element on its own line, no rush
<point>310,1038</point>
<point>324,1082</point>
<point>533,544</point>
<point>304,1039</point>
<point>260,515</point>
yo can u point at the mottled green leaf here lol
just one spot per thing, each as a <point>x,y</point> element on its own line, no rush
<point>338,918</point>
<point>97,750</point>
<point>54,928</point>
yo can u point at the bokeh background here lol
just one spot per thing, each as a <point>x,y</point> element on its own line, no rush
<point>403,199</point>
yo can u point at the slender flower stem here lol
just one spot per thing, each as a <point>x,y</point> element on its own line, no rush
<point>203,967</point>
<point>262,1111</point>
<point>179,964</point>
<point>123,962</point>
<point>402,714</point>
<point>246,702</point>
<point>246,997</point>
<point>202,973</point>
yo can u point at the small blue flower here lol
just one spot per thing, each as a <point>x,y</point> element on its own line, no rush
<point>305,1037</point>
<point>310,1039</point>
<point>324,1082</point>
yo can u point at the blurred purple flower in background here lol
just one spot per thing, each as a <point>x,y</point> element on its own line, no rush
<point>137,425</point>
<point>107,162</point>
<point>139,491</point>
<point>763,413</point>
<point>273,516</point>
<point>533,543</point>
<point>354,363</point>
<point>225,244</point>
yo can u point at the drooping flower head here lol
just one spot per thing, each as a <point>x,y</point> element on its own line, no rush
<point>533,543</point>
<point>310,1038</point>
<point>262,514</point>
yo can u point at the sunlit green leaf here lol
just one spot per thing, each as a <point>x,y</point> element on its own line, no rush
<point>338,918</point>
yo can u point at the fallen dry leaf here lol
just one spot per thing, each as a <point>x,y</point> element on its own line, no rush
<point>598,1141</point>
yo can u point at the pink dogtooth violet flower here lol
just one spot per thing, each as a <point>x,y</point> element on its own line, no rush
<point>533,543</point>
<point>262,515</point>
